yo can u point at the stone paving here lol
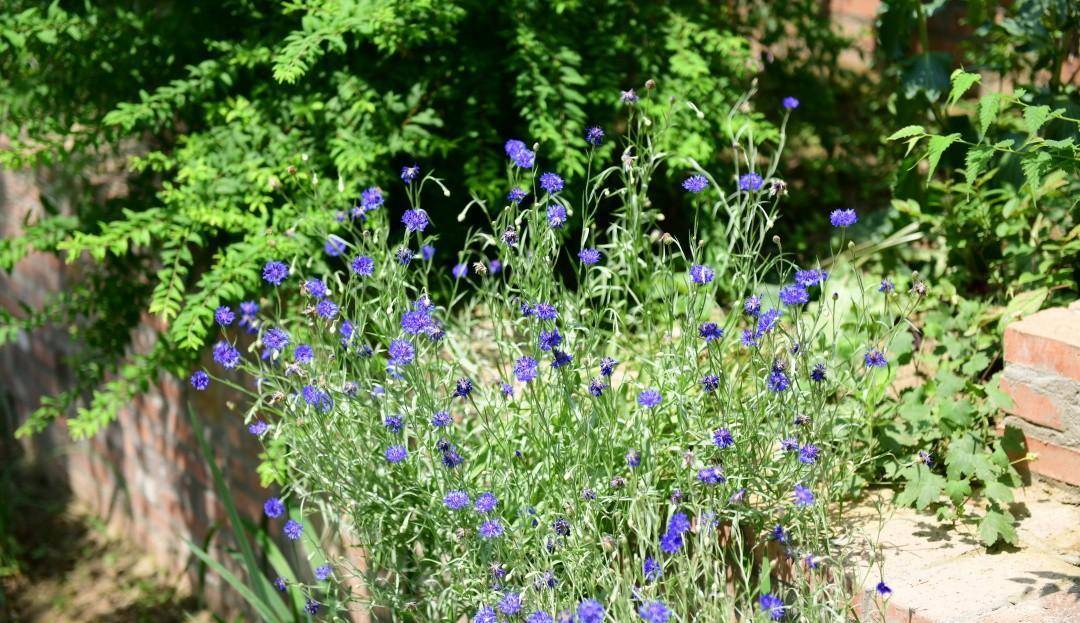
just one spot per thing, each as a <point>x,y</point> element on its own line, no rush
<point>947,576</point>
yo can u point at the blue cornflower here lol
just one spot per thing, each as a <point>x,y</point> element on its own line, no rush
<point>750,182</point>
<point>778,534</point>
<point>749,338</point>
<point>303,354</point>
<point>771,605</point>
<point>875,359</point>
<point>803,496</point>
<point>654,612</point>
<point>224,316</point>
<point>403,256</point>
<point>490,529</point>
<point>607,366</point>
<point>561,358</point>
<point>460,270</point>
<point>510,237</point>
<point>371,198</point>
<point>273,508</point>
<point>507,390</point>
<point>633,458</point>
<point>723,438</point>
<point>671,542</point>
<point>486,502</point>
<point>486,614</point>
<point>695,183</point>
<point>710,383</point>
<point>346,330</point>
<point>456,500</point>
<point>494,267</point>
<point>752,305</point>
<point>311,606</point>
<point>628,97</point>
<point>516,195</point>
<point>768,320</point>
<point>926,458</point>
<point>711,475</point>
<point>809,454</point>
<point>416,321</point>
<point>589,256</point>
<point>315,288</point>
<point>525,369</point>
<point>441,419</point>
<point>886,286</point>
<point>524,158</point>
<point>883,589</point>
<point>590,611</point>
<point>649,398</point>
<point>293,529</point>
<point>651,569</point>
<point>790,103</point>
<point>709,331</point>
<point>334,246</point>
<point>738,496</point>
<point>427,252</point>
<point>778,380</point>
<point>594,135</point>
<point>510,604</point>
<point>200,380</point>
<point>597,387</point>
<point>363,265</point>
<point>396,454</point>
<point>810,277</point>
<point>549,339</point>
<point>679,523</point>
<point>843,218</point>
<point>817,374</point>
<point>226,355</point>
<point>513,146</point>
<point>408,174</point>
<point>323,572</point>
<point>789,444</point>
<point>701,274</point>
<point>556,216</point>
<point>450,456</point>
<point>280,584</point>
<point>794,295</point>
<point>274,272</point>
<point>327,309</point>
<point>463,387</point>
<point>539,617</point>
<point>401,352</point>
<point>258,428</point>
<point>544,311</point>
<point>551,182</point>
<point>394,423</point>
<point>316,398</point>
<point>415,220</point>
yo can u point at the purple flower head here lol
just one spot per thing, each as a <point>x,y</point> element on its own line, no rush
<point>561,358</point>
<point>771,605</point>
<point>651,569</point>
<point>654,612</point>
<point>671,542</point>
<point>778,534</point>
<point>326,309</point>
<point>809,454</point>
<point>394,423</point>
<point>594,135</point>
<point>794,295</point>
<point>363,265</point>
<point>544,311</point>
<point>226,355</point>
<point>803,496</point>
<point>597,387</point>
<point>516,195</point>
<point>752,305</point>
<point>749,338</point>
<point>539,617</point>
<point>427,252</point>
<point>750,182</point>
<point>875,359</point>
<point>274,272</point>
<point>415,220</point>
<point>843,218</point>
<point>701,274</point>
<point>507,390</point>
<point>551,182</point>
<point>311,606</point>
<point>258,428</point>
<point>408,174</point>
<point>590,611</point>
<point>273,508</point>
<point>628,97</point>
<point>200,380</point>
<point>525,369</point>
<point>768,320</point>
<point>549,339</point>
<point>224,316</point>
<point>401,352</point>
<point>679,523</point>
<point>303,354</point>
<point>293,530</point>
<point>280,584</point>
<point>524,159</point>
<point>333,246</point>
<point>789,444</point>
<point>463,387</point>
<point>371,198</point>
<point>778,381</point>
<point>486,614</point>
<point>695,183</point>
<point>723,438</point>
<point>886,287</point>
<point>315,288</point>
<point>456,500</point>
<point>790,103</point>
<point>494,267</point>
<point>323,572</point>
<point>490,529</point>
<point>633,458</point>
<point>810,277</point>
<point>510,237</point>
<point>441,419</point>
<point>510,604</point>
<point>817,374</point>
<point>513,146</point>
<point>589,256</point>
<point>403,256</point>
<point>711,475</point>
<point>450,456</point>
<point>556,216</point>
<point>396,454</point>
<point>883,589</point>
<point>710,383</point>
<point>607,366</point>
<point>460,270</point>
<point>649,398</point>
<point>709,331</point>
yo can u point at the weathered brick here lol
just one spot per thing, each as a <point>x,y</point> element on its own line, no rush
<point>1049,340</point>
<point>1030,404</point>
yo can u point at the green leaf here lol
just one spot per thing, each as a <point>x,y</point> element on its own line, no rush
<point>975,162</point>
<point>936,147</point>
<point>976,364</point>
<point>1035,117</point>
<point>988,110</point>
<point>958,490</point>
<point>923,487</point>
<point>1024,304</point>
<point>961,82</point>
<point>998,492</point>
<point>997,525</point>
<point>905,132</point>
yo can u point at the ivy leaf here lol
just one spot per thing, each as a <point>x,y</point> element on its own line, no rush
<point>961,82</point>
<point>923,487</point>
<point>936,147</point>
<point>997,525</point>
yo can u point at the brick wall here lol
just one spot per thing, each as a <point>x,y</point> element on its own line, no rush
<point>1042,374</point>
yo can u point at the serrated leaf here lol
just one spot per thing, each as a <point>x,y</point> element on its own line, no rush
<point>905,132</point>
<point>958,490</point>
<point>1033,166</point>
<point>997,525</point>
<point>961,82</point>
<point>923,487</point>
<point>998,492</point>
<point>1035,117</point>
<point>935,148</point>
<point>988,110</point>
<point>975,162</point>
<point>975,364</point>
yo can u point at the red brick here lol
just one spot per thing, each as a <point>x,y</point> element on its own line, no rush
<point>1055,461</point>
<point>1031,405</point>
<point>1048,340</point>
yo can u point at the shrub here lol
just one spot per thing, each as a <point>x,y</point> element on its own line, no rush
<point>627,440</point>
